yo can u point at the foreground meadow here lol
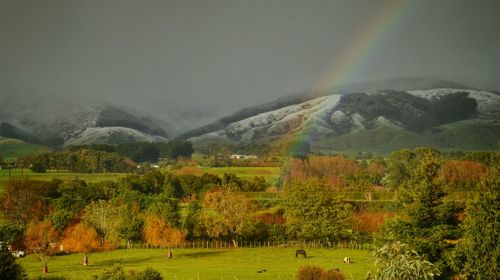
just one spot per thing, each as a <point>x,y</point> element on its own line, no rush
<point>240,263</point>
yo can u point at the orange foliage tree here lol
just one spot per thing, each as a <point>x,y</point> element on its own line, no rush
<point>158,232</point>
<point>330,168</point>
<point>461,174</point>
<point>82,239</point>
<point>23,200</point>
<point>40,239</point>
<point>370,222</point>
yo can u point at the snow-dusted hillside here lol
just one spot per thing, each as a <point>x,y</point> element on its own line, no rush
<point>75,122</point>
<point>327,116</point>
<point>319,115</point>
<point>274,123</point>
<point>110,135</point>
<point>488,103</point>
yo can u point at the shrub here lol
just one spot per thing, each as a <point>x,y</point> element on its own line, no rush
<point>117,273</point>
<point>147,274</point>
<point>333,274</point>
<point>398,261</point>
<point>310,272</point>
<point>50,278</point>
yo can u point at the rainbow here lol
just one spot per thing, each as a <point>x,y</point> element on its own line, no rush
<point>360,50</point>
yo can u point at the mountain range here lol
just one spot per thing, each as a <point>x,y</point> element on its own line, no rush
<point>377,116</point>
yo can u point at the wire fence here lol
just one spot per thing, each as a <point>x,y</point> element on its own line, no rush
<point>220,244</point>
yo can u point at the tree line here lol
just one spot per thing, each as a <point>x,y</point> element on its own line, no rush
<point>146,151</point>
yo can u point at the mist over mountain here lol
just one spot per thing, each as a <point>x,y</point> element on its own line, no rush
<point>59,120</point>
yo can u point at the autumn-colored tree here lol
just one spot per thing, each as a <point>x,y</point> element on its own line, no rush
<point>158,232</point>
<point>329,168</point>
<point>23,200</point>
<point>82,239</point>
<point>370,221</point>
<point>40,239</point>
<point>227,213</point>
<point>461,174</point>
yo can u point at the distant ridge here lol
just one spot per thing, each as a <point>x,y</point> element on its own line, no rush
<point>398,84</point>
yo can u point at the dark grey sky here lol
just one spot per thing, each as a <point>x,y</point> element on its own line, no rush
<point>229,54</point>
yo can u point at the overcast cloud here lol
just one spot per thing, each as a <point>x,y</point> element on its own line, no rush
<point>225,55</point>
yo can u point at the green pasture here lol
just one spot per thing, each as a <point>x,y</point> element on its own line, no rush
<point>61,175</point>
<point>271,174</point>
<point>240,263</point>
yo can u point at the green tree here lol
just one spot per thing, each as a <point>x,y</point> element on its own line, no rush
<point>191,184</point>
<point>428,221</point>
<point>152,182</point>
<point>166,208</point>
<point>399,167</point>
<point>130,227</point>
<point>315,212</point>
<point>477,254</point>
<point>192,221</point>
<point>104,217</point>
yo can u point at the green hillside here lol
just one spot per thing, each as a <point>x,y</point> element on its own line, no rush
<point>11,149</point>
<point>466,135</point>
<point>469,135</point>
<point>381,140</point>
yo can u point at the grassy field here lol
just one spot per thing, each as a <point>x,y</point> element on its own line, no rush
<point>11,149</point>
<point>65,176</point>
<point>241,263</point>
<point>271,174</point>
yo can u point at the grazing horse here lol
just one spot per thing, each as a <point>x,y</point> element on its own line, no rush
<point>301,252</point>
<point>347,260</point>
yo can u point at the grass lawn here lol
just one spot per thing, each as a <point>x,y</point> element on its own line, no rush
<point>241,263</point>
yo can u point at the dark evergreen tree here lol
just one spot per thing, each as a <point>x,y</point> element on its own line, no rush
<point>9,268</point>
